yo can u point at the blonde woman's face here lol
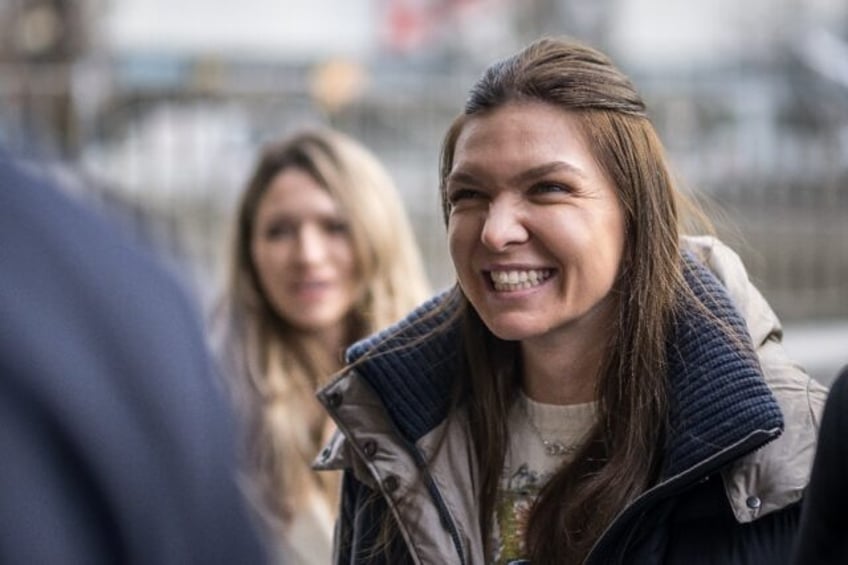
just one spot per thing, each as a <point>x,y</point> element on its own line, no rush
<point>303,253</point>
<point>536,231</point>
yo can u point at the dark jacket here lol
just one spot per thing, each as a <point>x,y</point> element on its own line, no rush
<point>736,461</point>
<point>823,539</point>
<point>116,445</point>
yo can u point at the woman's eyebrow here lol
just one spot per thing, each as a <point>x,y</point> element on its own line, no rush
<point>540,171</point>
<point>533,173</point>
<point>461,177</point>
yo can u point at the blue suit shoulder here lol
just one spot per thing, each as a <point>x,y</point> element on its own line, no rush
<point>121,443</point>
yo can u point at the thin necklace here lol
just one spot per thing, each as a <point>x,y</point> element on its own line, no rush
<point>553,447</point>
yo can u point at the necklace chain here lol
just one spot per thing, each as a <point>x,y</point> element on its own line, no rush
<point>553,447</point>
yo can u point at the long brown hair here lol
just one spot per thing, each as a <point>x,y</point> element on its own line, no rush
<point>622,457</point>
<point>274,371</point>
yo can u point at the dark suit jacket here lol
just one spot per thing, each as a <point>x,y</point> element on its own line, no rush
<point>823,537</point>
<point>116,445</point>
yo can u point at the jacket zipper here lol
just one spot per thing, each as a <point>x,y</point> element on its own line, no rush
<point>441,507</point>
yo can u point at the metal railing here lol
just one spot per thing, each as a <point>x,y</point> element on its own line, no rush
<point>176,156</point>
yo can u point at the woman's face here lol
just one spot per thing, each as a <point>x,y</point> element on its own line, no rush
<point>536,231</point>
<point>302,251</point>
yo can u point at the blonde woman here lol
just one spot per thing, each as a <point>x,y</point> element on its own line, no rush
<point>323,254</point>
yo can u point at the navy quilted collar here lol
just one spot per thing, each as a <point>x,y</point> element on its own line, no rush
<point>718,397</point>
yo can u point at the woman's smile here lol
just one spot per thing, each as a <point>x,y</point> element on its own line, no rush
<point>312,289</point>
<point>513,280</point>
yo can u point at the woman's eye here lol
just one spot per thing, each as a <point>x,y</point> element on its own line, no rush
<point>461,194</point>
<point>280,230</point>
<point>336,227</point>
<point>550,188</point>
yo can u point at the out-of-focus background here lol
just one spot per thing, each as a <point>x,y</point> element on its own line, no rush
<point>155,110</point>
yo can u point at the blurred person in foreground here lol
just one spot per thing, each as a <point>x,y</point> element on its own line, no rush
<point>117,442</point>
<point>323,255</point>
<point>823,539</point>
<point>596,388</point>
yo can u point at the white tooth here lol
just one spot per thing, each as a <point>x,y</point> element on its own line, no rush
<point>516,280</point>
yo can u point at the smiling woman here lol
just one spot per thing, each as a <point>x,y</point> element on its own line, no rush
<point>323,255</point>
<point>597,387</point>
<point>304,256</point>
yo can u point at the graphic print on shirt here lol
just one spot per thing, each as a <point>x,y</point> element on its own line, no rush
<point>517,493</point>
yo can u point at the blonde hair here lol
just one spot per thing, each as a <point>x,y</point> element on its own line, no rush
<point>273,371</point>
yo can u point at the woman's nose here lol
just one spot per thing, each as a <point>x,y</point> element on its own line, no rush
<point>311,244</point>
<point>503,226</point>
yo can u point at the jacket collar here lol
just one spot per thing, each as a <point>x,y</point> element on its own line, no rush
<point>717,395</point>
<point>412,375</point>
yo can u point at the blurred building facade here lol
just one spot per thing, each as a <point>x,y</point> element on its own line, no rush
<point>751,99</point>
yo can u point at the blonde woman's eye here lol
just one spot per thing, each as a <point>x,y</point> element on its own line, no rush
<point>337,227</point>
<point>279,230</point>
